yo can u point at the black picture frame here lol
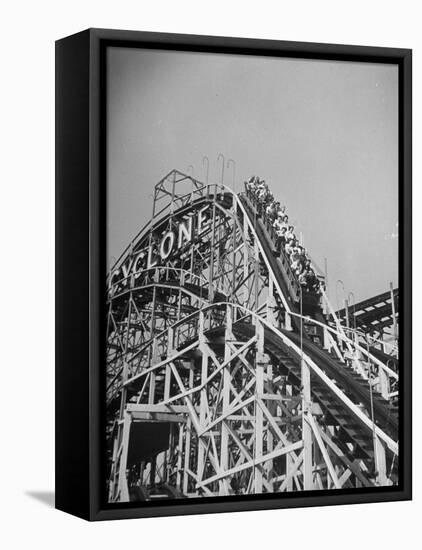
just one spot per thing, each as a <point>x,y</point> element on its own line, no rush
<point>80,269</point>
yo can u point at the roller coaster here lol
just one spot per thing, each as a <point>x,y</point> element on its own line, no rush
<point>225,376</point>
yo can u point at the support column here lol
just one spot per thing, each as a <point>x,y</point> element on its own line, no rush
<point>123,490</point>
<point>153,350</point>
<point>212,251</point>
<point>271,304</point>
<point>186,464</point>
<point>384,383</point>
<point>188,441</point>
<point>289,458</point>
<point>307,428</point>
<point>114,467</point>
<point>256,275</point>
<point>167,378</point>
<point>179,456</point>
<point>327,341</point>
<point>381,464</point>
<point>306,408</point>
<point>234,265</point>
<point>287,321</point>
<point>204,397</point>
<point>224,445</point>
<point>272,407</point>
<point>261,365</point>
<point>246,263</point>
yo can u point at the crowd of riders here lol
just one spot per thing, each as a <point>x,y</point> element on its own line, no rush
<point>285,239</point>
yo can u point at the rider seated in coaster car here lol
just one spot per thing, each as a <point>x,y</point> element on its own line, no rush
<point>251,185</point>
<point>303,278</point>
<point>278,223</point>
<point>285,221</point>
<point>289,231</point>
<point>314,283</point>
<point>311,279</point>
<point>269,198</point>
<point>262,191</point>
<point>303,258</point>
<point>281,238</point>
<point>271,211</point>
<point>296,257</point>
<point>281,210</point>
<point>290,246</point>
<point>277,213</point>
<point>280,217</point>
<point>261,197</point>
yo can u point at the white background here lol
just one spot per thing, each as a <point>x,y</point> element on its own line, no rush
<point>29,30</point>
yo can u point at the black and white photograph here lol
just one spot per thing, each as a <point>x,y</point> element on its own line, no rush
<point>210,307</point>
<point>252,278</point>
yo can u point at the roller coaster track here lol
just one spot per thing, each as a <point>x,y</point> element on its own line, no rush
<point>224,375</point>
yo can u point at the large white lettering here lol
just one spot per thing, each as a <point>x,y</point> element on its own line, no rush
<point>161,251</point>
<point>152,262</point>
<point>202,219</point>
<point>166,245</point>
<point>185,232</point>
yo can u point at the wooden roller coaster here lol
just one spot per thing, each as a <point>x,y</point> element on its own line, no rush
<point>226,376</point>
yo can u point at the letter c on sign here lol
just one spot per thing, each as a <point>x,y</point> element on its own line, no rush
<point>166,245</point>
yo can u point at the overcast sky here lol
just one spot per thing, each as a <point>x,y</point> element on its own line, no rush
<point>322,134</point>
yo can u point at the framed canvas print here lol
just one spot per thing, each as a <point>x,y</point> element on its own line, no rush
<point>233,274</point>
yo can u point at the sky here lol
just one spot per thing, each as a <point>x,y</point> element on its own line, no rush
<point>323,134</point>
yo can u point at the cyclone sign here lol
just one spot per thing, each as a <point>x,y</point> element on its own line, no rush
<point>162,248</point>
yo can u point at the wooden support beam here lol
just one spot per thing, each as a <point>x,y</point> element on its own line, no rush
<point>381,463</point>
<point>252,463</point>
<point>324,452</point>
<point>123,490</point>
<point>224,443</point>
